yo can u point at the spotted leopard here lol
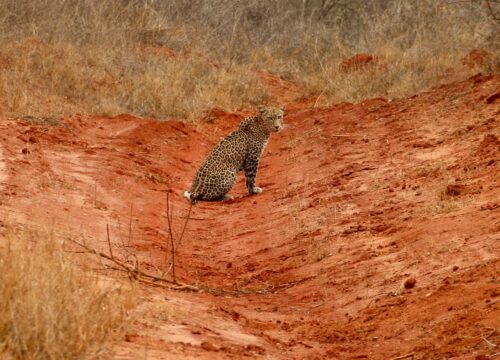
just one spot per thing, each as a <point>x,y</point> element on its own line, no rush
<point>240,150</point>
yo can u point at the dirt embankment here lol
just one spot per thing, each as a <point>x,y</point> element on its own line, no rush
<point>357,200</point>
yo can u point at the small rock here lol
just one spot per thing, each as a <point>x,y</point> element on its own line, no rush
<point>490,99</point>
<point>208,346</point>
<point>131,337</point>
<point>255,348</point>
<point>423,144</point>
<point>410,283</point>
<point>494,293</point>
<point>454,190</point>
<point>455,268</point>
<point>25,151</point>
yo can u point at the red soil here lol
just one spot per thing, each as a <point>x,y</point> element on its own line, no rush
<point>377,234</point>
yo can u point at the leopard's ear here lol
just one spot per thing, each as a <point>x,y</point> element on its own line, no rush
<point>262,109</point>
<point>282,107</point>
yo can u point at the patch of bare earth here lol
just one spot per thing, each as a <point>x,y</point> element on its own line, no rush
<point>377,234</point>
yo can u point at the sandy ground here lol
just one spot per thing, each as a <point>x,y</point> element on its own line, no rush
<point>358,201</point>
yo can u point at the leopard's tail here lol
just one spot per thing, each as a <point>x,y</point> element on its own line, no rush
<point>189,196</point>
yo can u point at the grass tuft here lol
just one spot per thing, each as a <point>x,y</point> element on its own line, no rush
<point>50,309</point>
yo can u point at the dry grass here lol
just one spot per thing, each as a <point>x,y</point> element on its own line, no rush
<point>50,309</point>
<point>446,202</point>
<point>181,58</point>
<point>63,79</point>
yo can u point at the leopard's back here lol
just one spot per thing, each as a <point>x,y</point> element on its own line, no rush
<point>240,150</point>
<point>217,174</point>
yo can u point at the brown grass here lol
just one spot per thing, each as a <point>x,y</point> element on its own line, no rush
<point>50,309</point>
<point>181,58</point>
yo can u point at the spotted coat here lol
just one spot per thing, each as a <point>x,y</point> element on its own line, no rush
<point>240,150</point>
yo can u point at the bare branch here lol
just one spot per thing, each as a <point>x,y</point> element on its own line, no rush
<point>109,241</point>
<point>494,15</point>
<point>407,356</point>
<point>172,249</point>
<point>135,273</point>
<point>187,218</point>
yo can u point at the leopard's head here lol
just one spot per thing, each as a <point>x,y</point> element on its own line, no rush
<point>272,118</point>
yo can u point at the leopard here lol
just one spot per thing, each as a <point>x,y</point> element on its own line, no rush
<point>239,151</point>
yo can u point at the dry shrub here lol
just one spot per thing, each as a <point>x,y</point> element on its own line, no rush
<point>399,77</point>
<point>50,309</point>
<point>63,79</point>
<point>181,58</point>
<point>420,44</point>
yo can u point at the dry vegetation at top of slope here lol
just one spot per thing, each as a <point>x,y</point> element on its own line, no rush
<point>180,59</point>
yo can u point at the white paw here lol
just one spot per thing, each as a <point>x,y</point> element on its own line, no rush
<point>228,197</point>
<point>187,195</point>
<point>257,190</point>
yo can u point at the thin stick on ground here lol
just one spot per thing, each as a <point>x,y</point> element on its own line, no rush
<point>171,236</point>
<point>109,241</point>
<point>174,247</point>
<point>135,273</point>
<point>187,218</point>
<point>411,355</point>
<point>132,267</point>
<point>130,225</point>
<point>151,280</point>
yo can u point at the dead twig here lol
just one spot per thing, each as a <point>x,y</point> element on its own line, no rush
<point>109,241</point>
<point>151,280</point>
<point>494,15</point>
<point>489,342</point>
<point>184,227</point>
<point>493,302</point>
<point>172,249</point>
<point>135,273</point>
<point>130,225</point>
<point>407,356</point>
<point>485,338</point>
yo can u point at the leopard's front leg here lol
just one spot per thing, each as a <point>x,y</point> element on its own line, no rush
<point>250,167</point>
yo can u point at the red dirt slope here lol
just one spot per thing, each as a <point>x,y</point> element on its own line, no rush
<point>377,234</point>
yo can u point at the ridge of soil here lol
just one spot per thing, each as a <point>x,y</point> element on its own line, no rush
<point>377,234</point>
